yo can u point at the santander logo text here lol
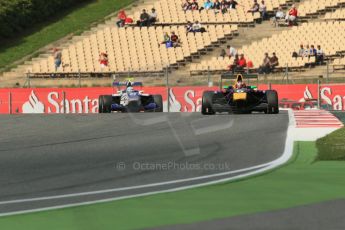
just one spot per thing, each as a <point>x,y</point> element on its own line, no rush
<point>333,97</point>
<point>56,104</point>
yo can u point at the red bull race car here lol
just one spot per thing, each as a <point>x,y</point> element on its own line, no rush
<point>239,98</point>
<point>129,100</point>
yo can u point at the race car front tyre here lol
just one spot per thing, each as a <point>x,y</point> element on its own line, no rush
<point>206,107</point>
<point>159,102</point>
<point>104,103</point>
<point>272,101</point>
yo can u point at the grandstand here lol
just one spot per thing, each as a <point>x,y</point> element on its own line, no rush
<point>135,51</point>
<point>330,35</point>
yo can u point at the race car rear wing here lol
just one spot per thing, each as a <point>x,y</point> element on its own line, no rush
<point>232,76</point>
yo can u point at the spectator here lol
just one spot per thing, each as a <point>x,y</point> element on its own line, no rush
<point>189,27</point>
<point>103,60</point>
<point>319,55</point>
<point>216,6</point>
<point>144,19</point>
<point>122,18</point>
<point>186,5</point>
<point>240,64</point>
<point>301,51</point>
<point>196,27</point>
<point>57,58</point>
<point>306,51</point>
<point>263,10</point>
<point>166,39</point>
<point>255,7</point>
<point>234,64</point>
<point>242,61</point>
<point>152,17</point>
<point>265,66</point>
<point>291,17</point>
<point>194,5</point>
<point>175,40</point>
<point>207,5</point>
<point>231,51</point>
<point>224,6</point>
<point>274,62</point>
<point>312,51</point>
<point>222,53</point>
<point>278,17</point>
<point>232,4</point>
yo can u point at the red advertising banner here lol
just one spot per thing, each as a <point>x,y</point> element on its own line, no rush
<point>182,99</point>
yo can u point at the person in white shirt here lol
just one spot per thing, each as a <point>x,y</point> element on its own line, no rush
<point>153,16</point>
<point>280,15</point>
<point>262,10</point>
<point>301,51</point>
<point>196,27</point>
<point>306,51</point>
<point>254,8</point>
<point>319,55</point>
<point>231,51</point>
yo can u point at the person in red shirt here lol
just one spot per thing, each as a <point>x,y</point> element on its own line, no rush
<point>194,5</point>
<point>103,60</point>
<point>122,18</point>
<point>242,62</point>
<point>239,64</point>
<point>292,16</point>
<point>174,39</point>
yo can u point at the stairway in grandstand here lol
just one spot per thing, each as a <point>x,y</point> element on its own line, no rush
<point>139,52</point>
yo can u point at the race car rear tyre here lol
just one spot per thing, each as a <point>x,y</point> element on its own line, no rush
<point>272,101</point>
<point>159,102</point>
<point>206,107</point>
<point>104,103</point>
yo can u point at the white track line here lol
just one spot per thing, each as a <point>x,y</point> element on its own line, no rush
<point>131,187</point>
<point>288,151</point>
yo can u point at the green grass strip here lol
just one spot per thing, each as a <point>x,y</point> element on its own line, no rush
<point>332,147</point>
<point>76,21</point>
<point>302,181</point>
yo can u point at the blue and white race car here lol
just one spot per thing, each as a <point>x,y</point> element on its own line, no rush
<point>130,100</point>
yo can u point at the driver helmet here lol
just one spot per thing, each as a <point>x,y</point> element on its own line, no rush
<point>239,84</point>
<point>130,89</point>
<point>239,81</point>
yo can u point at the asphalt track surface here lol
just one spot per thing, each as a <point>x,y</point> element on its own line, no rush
<point>43,158</point>
<point>326,215</point>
